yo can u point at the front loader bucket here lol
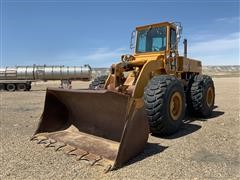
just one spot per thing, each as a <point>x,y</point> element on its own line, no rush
<point>103,127</point>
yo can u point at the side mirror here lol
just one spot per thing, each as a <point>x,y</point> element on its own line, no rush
<point>132,40</point>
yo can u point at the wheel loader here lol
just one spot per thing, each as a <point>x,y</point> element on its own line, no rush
<point>148,91</point>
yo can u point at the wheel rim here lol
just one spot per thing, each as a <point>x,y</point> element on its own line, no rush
<point>176,105</point>
<point>210,97</point>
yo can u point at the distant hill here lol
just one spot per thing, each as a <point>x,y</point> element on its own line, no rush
<point>222,71</point>
<point>215,71</point>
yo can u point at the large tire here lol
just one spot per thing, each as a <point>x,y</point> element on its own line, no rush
<point>2,87</point>
<point>202,96</point>
<point>98,83</point>
<point>165,104</point>
<point>21,87</point>
<point>11,87</point>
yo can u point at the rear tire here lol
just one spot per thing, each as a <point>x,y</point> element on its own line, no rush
<point>2,87</point>
<point>165,104</point>
<point>11,87</point>
<point>98,82</point>
<point>21,87</point>
<point>202,96</point>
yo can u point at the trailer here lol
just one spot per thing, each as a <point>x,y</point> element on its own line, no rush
<point>21,77</point>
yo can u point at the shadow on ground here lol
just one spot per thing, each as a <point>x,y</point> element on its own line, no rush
<point>188,128</point>
<point>185,129</point>
<point>150,150</point>
<point>215,114</point>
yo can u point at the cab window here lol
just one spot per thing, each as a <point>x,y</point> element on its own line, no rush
<point>151,40</point>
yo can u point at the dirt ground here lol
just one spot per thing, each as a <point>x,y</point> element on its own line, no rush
<point>202,149</point>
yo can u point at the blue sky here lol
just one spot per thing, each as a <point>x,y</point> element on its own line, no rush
<point>98,32</point>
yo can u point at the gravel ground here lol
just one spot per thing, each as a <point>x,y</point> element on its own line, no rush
<point>202,149</point>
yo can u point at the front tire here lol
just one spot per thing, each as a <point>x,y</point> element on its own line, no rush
<point>165,104</point>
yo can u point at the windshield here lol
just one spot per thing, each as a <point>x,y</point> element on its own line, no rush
<point>151,40</point>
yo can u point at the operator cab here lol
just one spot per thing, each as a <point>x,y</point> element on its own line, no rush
<point>156,38</point>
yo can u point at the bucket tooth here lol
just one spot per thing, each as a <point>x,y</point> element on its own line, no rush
<point>80,157</point>
<point>77,152</point>
<point>95,162</point>
<point>92,158</point>
<point>104,163</point>
<point>42,140</point>
<point>50,143</point>
<point>89,157</point>
<point>68,149</point>
<point>33,138</point>
<point>107,168</point>
<point>38,138</point>
<point>59,146</point>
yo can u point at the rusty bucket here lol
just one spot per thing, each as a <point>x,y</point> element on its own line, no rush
<point>103,127</point>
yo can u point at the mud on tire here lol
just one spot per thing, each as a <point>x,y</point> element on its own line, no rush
<point>201,96</point>
<point>98,82</point>
<point>158,97</point>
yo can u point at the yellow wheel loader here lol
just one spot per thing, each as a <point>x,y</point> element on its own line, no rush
<point>146,92</point>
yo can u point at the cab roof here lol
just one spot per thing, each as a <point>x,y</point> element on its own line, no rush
<point>154,25</point>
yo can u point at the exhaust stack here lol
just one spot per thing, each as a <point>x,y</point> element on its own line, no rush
<point>185,47</point>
